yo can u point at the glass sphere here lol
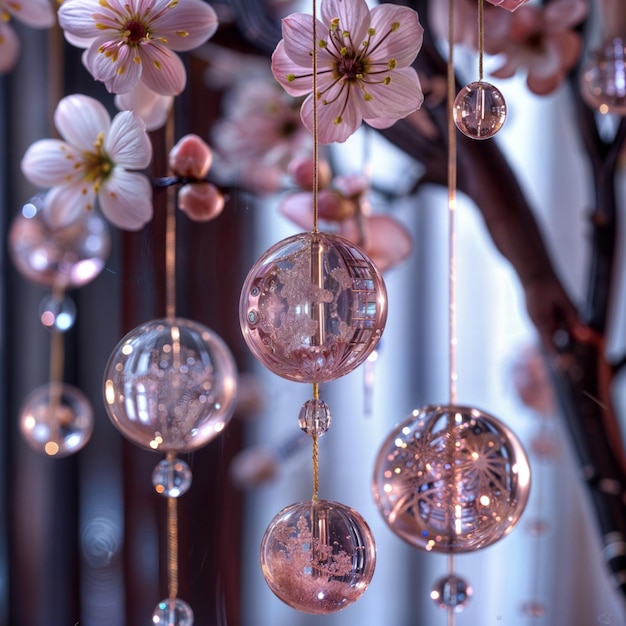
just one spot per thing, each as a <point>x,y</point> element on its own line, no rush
<point>451,592</point>
<point>313,307</point>
<point>479,110</point>
<point>603,80</point>
<point>170,385</point>
<point>171,478</point>
<point>172,612</point>
<point>314,418</point>
<point>63,256</point>
<point>56,419</point>
<point>451,479</point>
<point>58,313</point>
<point>318,557</point>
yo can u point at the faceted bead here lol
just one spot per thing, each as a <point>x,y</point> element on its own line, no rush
<point>171,478</point>
<point>451,592</point>
<point>479,110</point>
<point>57,313</point>
<point>314,418</point>
<point>172,612</point>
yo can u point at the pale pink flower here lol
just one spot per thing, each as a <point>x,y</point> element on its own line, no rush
<point>92,163</point>
<point>33,13</point>
<point>131,40</point>
<point>363,65</point>
<point>542,41</point>
<point>151,107</point>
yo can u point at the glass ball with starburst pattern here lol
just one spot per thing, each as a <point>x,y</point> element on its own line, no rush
<point>451,479</point>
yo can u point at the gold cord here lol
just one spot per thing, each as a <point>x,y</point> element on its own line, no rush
<point>316,460</point>
<point>315,129</point>
<point>481,38</point>
<point>172,541</point>
<point>170,234</point>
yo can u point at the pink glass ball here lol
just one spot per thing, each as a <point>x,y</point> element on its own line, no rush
<point>56,419</point>
<point>313,307</point>
<point>170,385</point>
<point>318,557</point>
<point>479,110</point>
<point>58,256</point>
<point>451,479</point>
<point>451,593</point>
<point>603,80</point>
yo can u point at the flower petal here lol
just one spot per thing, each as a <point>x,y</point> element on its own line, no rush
<point>397,99</point>
<point>50,162</point>
<point>126,199</point>
<point>354,17</point>
<point>163,71</point>
<point>127,142</point>
<point>201,202</point>
<point>34,13</point>
<point>152,107</point>
<point>65,204</point>
<point>298,38</point>
<point>186,25</point>
<point>77,18</point>
<point>337,120</point>
<point>401,42</point>
<point>80,119</point>
<point>295,80</point>
<point>9,48</point>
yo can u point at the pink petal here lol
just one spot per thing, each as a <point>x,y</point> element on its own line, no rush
<point>402,44</point>
<point>401,96</point>
<point>50,162</point>
<point>80,119</point>
<point>337,120</point>
<point>562,14</point>
<point>190,157</point>
<point>298,207</point>
<point>127,142</point>
<point>201,202</point>
<point>34,13</point>
<point>162,70</point>
<point>295,81</point>
<point>126,199</point>
<point>301,169</point>
<point>186,25</point>
<point>354,17</point>
<point>152,107</point>
<point>9,48</point>
<point>64,204</point>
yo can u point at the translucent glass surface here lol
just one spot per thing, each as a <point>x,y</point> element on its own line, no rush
<point>313,307</point>
<point>479,110</point>
<point>451,479</point>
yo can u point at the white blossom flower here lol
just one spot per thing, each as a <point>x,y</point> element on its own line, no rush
<point>131,40</point>
<point>92,162</point>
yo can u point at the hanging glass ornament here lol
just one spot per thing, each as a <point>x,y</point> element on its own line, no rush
<point>313,307</point>
<point>451,479</point>
<point>603,80</point>
<point>57,312</point>
<point>170,385</point>
<point>56,419</point>
<point>318,557</point>
<point>479,110</point>
<point>172,612</point>
<point>451,592</point>
<point>171,477</point>
<point>58,256</point>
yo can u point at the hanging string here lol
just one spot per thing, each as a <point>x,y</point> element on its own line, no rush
<point>316,462</point>
<point>57,361</point>
<point>481,38</point>
<point>172,541</point>
<point>315,129</point>
<point>170,234</point>
<point>452,175</point>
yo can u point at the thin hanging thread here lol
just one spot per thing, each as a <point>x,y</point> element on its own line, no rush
<point>452,175</point>
<point>172,541</point>
<point>316,460</point>
<point>481,38</point>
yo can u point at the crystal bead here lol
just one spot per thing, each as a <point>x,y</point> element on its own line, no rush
<point>603,81</point>
<point>314,418</point>
<point>57,313</point>
<point>451,592</point>
<point>479,110</point>
<point>56,419</point>
<point>171,478</point>
<point>172,612</point>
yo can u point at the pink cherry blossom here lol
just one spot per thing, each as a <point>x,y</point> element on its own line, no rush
<point>542,41</point>
<point>131,40</point>
<point>152,108</point>
<point>363,65</point>
<point>33,13</point>
<point>91,165</point>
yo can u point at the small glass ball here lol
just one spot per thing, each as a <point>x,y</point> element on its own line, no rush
<point>451,479</point>
<point>64,256</point>
<point>56,419</point>
<point>57,313</point>
<point>170,385</point>
<point>318,557</point>
<point>451,592</point>
<point>314,418</point>
<point>603,81</point>
<point>479,110</point>
<point>172,612</point>
<point>171,478</point>
<point>313,307</point>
